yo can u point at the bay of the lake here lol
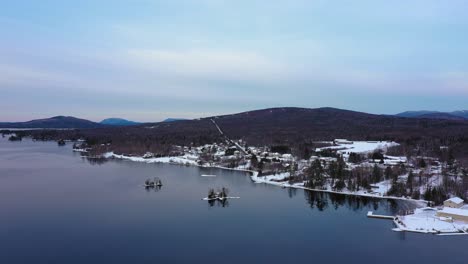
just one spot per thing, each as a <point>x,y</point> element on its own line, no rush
<point>58,207</point>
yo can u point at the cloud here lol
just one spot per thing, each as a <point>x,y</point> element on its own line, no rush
<point>209,64</point>
<point>205,66</point>
<point>19,74</point>
<point>201,74</point>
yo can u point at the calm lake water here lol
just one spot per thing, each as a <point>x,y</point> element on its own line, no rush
<point>57,207</point>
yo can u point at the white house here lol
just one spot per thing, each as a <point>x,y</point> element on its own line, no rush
<point>454,202</point>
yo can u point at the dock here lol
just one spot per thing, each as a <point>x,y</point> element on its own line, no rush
<point>371,214</point>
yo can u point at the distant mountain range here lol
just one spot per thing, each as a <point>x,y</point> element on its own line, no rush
<point>288,126</point>
<point>173,119</point>
<point>53,122</point>
<point>124,122</point>
<point>455,115</point>
<point>118,122</point>
<point>291,125</point>
<point>73,122</point>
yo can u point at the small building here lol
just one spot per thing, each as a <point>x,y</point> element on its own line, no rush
<point>454,202</point>
<point>275,155</point>
<point>339,141</point>
<point>454,213</point>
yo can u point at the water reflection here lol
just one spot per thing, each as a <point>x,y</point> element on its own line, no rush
<point>402,235</point>
<point>156,188</point>
<point>114,220</point>
<point>95,160</point>
<point>292,192</point>
<point>218,203</point>
<point>323,201</point>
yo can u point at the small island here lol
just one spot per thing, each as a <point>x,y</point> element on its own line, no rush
<point>155,183</point>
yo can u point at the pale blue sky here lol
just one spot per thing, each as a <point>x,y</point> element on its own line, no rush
<point>147,60</point>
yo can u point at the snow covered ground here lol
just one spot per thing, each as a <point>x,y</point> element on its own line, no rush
<point>425,220</point>
<point>80,150</point>
<point>394,160</point>
<point>360,146</point>
<point>274,177</point>
<point>182,160</point>
<point>379,190</point>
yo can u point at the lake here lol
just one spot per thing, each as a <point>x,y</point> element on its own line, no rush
<point>57,207</point>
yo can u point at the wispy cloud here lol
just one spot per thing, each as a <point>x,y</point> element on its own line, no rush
<point>207,64</point>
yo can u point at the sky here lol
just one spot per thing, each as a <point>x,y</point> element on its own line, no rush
<point>147,60</point>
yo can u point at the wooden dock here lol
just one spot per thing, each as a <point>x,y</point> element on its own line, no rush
<point>371,214</point>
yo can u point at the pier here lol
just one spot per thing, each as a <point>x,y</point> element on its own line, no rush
<point>371,214</point>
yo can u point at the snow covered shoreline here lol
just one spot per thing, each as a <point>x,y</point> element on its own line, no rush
<point>427,221</point>
<point>256,179</point>
<point>188,160</point>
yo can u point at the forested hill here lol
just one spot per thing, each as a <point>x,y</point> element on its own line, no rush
<point>274,125</point>
<point>295,127</point>
<point>461,114</point>
<point>53,122</point>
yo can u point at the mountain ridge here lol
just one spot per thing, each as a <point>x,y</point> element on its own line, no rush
<point>276,114</point>
<point>115,121</point>
<point>171,119</point>
<point>429,114</point>
<point>53,122</point>
<point>290,126</point>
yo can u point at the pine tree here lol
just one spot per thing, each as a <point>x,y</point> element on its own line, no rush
<point>376,174</point>
<point>388,173</point>
<point>254,161</point>
<point>315,175</point>
<point>333,171</point>
<point>409,182</point>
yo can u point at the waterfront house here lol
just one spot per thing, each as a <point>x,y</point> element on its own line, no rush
<point>454,202</point>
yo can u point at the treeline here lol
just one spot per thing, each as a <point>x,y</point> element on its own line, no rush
<point>159,138</point>
<point>400,181</point>
<point>339,176</point>
<point>294,130</point>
